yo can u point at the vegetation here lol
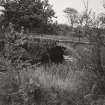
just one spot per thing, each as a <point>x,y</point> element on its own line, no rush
<point>34,71</point>
<point>31,13</point>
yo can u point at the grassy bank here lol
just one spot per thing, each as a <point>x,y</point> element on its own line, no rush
<point>49,84</point>
<point>57,84</point>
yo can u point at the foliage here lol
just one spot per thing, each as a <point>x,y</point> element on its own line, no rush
<point>27,13</point>
<point>54,84</point>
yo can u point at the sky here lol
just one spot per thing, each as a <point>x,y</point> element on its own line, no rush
<point>60,5</point>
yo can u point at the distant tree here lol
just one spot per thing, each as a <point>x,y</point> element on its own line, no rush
<point>72,15</point>
<point>27,13</point>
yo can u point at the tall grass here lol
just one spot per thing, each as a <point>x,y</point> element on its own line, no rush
<point>65,81</point>
<point>52,84</point>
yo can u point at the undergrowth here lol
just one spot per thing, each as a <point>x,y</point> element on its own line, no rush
<point>48,85</point>
<point>23,83</point>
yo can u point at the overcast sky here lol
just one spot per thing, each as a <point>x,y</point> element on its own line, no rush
<point>60,5</point>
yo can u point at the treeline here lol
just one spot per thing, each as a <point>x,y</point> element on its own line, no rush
<point>36,16</point>
<point>33,15</point>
